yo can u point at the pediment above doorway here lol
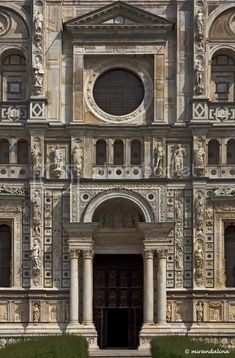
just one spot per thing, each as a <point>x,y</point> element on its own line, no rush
<point>120,18</point>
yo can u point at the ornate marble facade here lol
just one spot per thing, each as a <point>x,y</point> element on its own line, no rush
<point>78,180</point>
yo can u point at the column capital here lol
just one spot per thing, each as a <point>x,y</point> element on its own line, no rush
<point>148,254</point>
<point>88,254</point>
<point>162,253</point>
<point>74,254</point>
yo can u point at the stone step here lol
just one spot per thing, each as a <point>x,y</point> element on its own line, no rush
<point>119,353</point>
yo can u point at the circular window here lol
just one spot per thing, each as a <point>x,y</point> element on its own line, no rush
<point>118,92</point>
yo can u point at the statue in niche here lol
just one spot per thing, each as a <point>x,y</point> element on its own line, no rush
<point>178,160</point>
<point>199,209</point>
<point>199,311</point>
<point>38,72</point>
<point>168,312</point>
<point>179,208</point>
<point>158,159</point>
<point>38,23</point>
<point>178,260</point>
<point>77,159</point>
<point>199,18</point>
<point>36,313</point>
<point>57,160</point>
<point>36,159</point>
<point>198,261</point>
<point>199,156</point>
<point>198,78</point>
<point>35,257</point>
<point>36,214</point>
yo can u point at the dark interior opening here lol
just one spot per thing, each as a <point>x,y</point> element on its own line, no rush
<point>117,327</point>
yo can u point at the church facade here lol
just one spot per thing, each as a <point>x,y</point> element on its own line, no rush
<point>117,166</point>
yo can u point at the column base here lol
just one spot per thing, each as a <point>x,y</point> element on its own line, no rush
<point>73,328</point>
<point>150,330</point>
<point>88,331</point>
<point>40,328</point>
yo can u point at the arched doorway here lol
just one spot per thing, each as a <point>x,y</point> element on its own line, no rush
<point>118,274</point>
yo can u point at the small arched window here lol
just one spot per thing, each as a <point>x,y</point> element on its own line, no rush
<point>118,152</point>
<point>231,151</point>
<point>13,76</point>
<point>4,151</point>
<point>101,152</point>
<point>223,77</point>
<point>5,256</point>
<point>135,152</point>
<point>229,236</point>
<point>22,152</point>
<point>213,152</point>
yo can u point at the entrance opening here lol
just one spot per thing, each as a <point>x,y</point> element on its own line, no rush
<point>117,327</point>
<point>118,300</point>
<point>230,256</point>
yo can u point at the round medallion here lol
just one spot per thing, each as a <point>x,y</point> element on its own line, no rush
<point>118,91</point>
<point>5,23</point>
<point>232,23</point>
<point>119,20</point>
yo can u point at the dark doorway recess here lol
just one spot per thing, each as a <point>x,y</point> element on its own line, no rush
<point>118,300</point>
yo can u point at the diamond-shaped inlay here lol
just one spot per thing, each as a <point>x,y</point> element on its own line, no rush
<point>37,110</point>
<point>199,110</point>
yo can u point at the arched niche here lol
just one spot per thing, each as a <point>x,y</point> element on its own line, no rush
<point>221,27</point>
<point>132,197</point>
<point>118,213</point>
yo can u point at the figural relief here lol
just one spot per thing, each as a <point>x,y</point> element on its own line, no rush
<point>198,78</point>
<point>77,158</point>
<point>159,155</point>
<point>36,155</point>
<point>38,74</point>
<point>178,161</point>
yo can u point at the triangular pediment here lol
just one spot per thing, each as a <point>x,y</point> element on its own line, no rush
<point>118,14</point>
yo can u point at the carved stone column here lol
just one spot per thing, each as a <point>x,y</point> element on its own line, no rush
<point>148,286</point>
<point>74,287</point>
<point>88,286</point>
<point>161,286</point>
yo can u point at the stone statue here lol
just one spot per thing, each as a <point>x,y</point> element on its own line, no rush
<point>198,78</point>
<point>57,159</point>
<point>36,312</point>
<point>198,261</point>
<point>179,208</point>
<point>38,72</point>
<point>168,312</point>
<point>36,214</point>
<point>36,159</point>
<point>199,311</point>
<point>178,160</point>
<point>158,159</point>
<point>199,18</point>
<point>178,260</point>
<point>35,256</point>
<point>38,23</point>
<point>199,156</point>
<point>199,209</point>
<point>77,157</point>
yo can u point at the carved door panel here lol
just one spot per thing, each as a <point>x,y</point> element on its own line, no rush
<point>118,287</point>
